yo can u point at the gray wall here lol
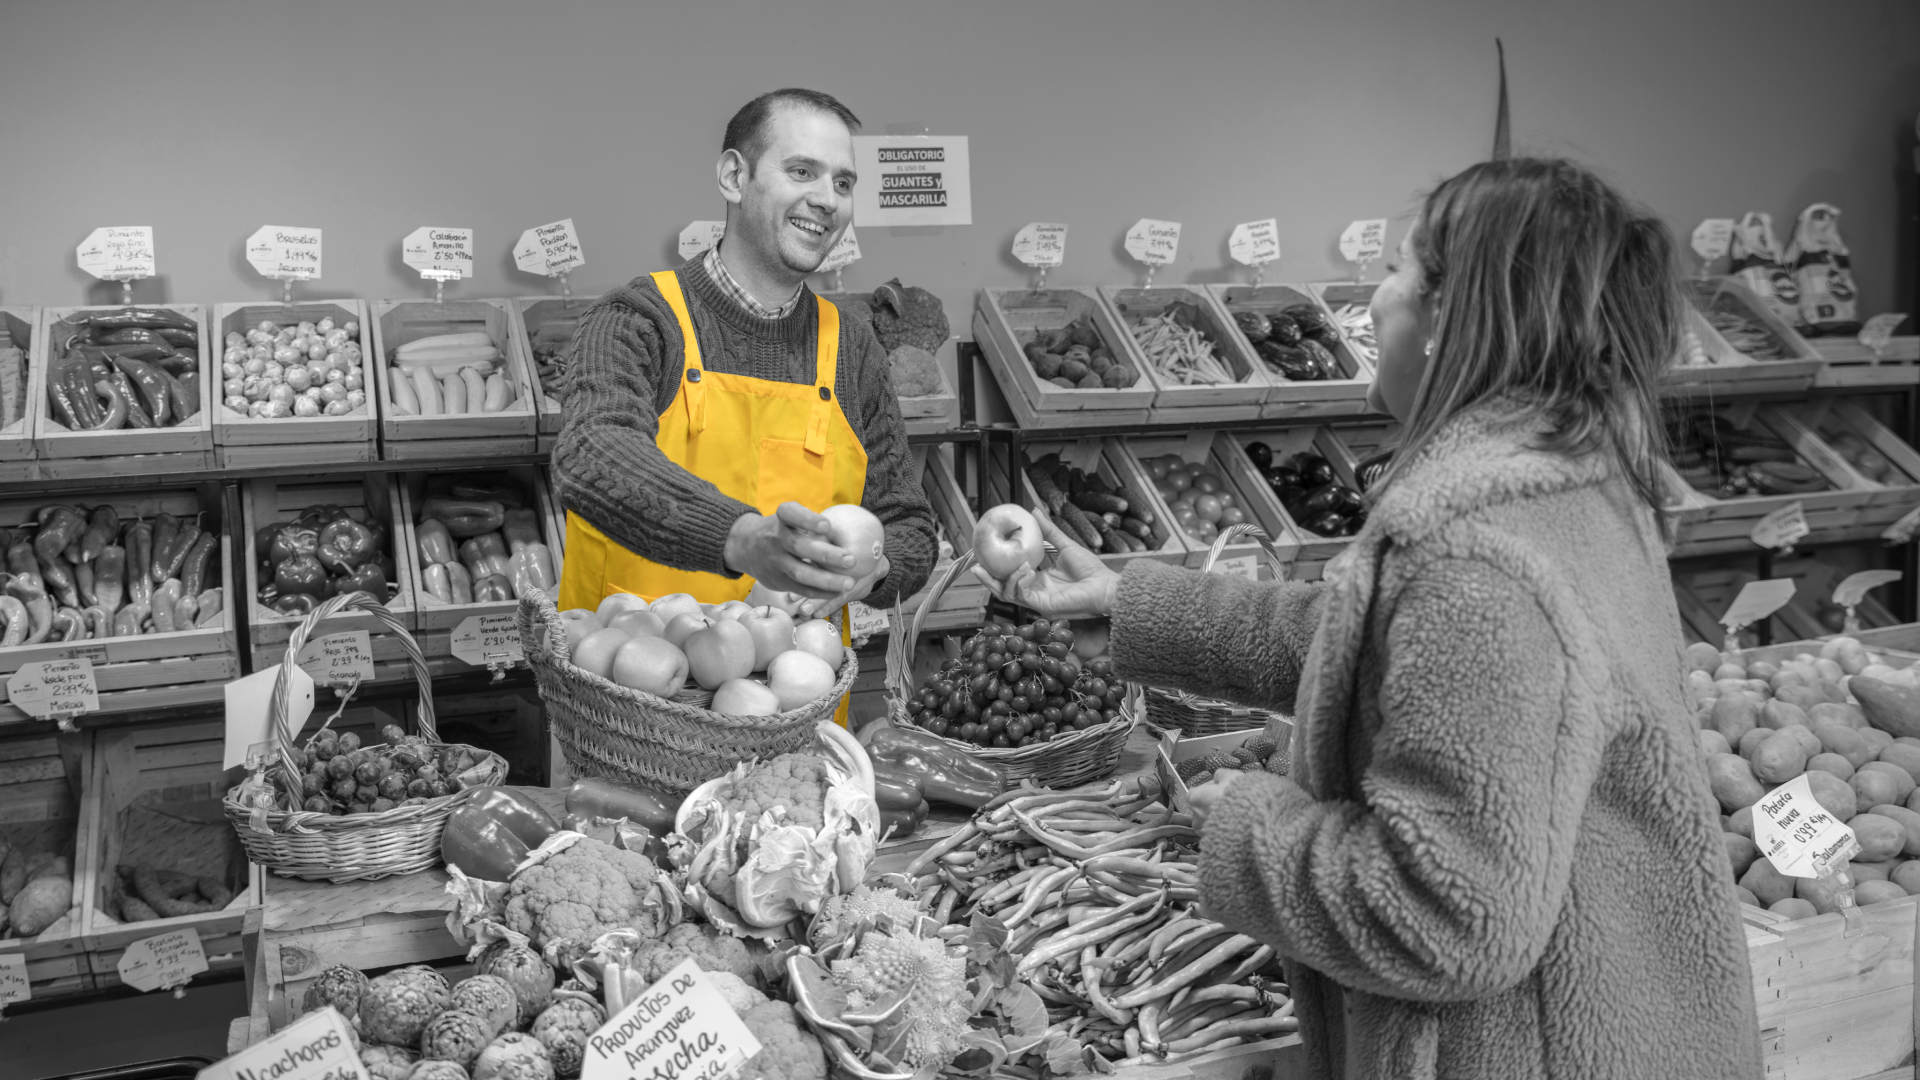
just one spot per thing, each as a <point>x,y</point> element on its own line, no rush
<point>206,119</point>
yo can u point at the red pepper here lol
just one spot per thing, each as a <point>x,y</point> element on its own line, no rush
<point>898,824</point>
<point>365,578</point>
<point>487,837</point>
<point>649,808</point>
<point>345,544</point>
<point>292,540</point>
<point>946,774</point>
<point>302,574</point>
<point>895,788</point>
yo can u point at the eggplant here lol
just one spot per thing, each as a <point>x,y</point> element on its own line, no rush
<point>1261,455</point>
<point>1311,321</point>
<point>1290,497</point>
<point>1338,498</point>
<point>1280,476</point>
<point>1315,471</point>
<point>1327,523</point>
<point>1283,330</point>
<point>1321,358</point>
<point>1254,325</point>
<point>1354,522</point>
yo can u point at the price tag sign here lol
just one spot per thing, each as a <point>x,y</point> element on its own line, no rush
<point>117,252</point>
<point>866,621</point>
<point>1153,242</point>
<point>338,659</point>
<point>163,961</point>
<point>1712,237</point>
<point>285,252</point>
<point>318,1046</point>
<point>488,641</point>
<point>1781,528</point>
<point>1041,243</point>
<point>551,249</point>
<point>679,1027</point>
<point>249,707</point>
<point>13,978</point>
<point>845,253</point>
<point>1796,833</point>
<point>696,238</point>
<point>1854,587</point>
<point>1243,566</point>
<point>1363,241</point>
<point>1253,243</point>
<point>52,688</point>
<point>1756,601</point>
<point>1876,332</point>
<point>440,254</point>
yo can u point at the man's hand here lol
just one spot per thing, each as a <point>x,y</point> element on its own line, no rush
<point>821,609</point>
<point>1075,583</point>
<point>789,550</point>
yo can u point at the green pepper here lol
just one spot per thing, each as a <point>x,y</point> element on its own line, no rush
<point>899,824</point>
<point>435,542</point>
<point>459,583</point>
<point>492,588</point>
<point>302,574</point>
<point>522,528</point>
<point>58,576</point>
<point>27,589</point>
<point>193,573</point>
<point>58,528</point>
<point>532,568</point>
<point>152,386</point>
<point>295,604</point>
<point>166,530</point>
<point>182,545</point>
<point>472,488</point>
<point>137,415</point>
<point>345,544</point>
<point>130,621</point>
<point>100,531</point>
<point>293,540</point>
<point>895,788</point>
<point>166,598</point>
<point>151,318</point>
<point>184,390</point>
<point>489,835</point>
<point>139,555</point>
<point>21,559</point>
<point>14,622</point>
<point>465,517</point>
<point>651,808</point>
<point>947,774</point>
<point>83,584</point>
<point>434,580</point>
<point>365,578</point>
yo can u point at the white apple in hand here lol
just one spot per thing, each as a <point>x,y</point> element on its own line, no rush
<point>762,596</point>
<point>721,652</point>
<point>637,623</point>
<point>617,603</point>
<point>1005,537</point>
<point>745,697</point>
<point>855,530</point>
<point>595,651</point>
<point>732,611</point>
<point>772,633</point>
<point>650,664</point>
<point>673,604</point>
<point>685,625</point>
<point>818,637</point>
<point>578,623</point>
<point>799,677</point>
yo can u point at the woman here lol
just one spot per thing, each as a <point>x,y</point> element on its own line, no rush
<point>1495,854</point>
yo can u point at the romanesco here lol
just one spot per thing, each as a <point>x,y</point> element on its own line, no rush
<point>787,1051</point>
<point>707,947</point>
<point>935,979</point>
<point>797,782</point>
<point>908,315</point>
<point>840,915</point>
<point>581,893</point>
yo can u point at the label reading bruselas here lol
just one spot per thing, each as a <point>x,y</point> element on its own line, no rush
<point>285,252</point>
<point>680,1028</point>
<point>338,659</point>
<point>50,688</point>
<point>118,252</point>
<point>318,1046</point>
<point>162,961</point>
<point>439,253</point>
<point>487,640</point>
<point>551,249</point>
<point>1254,243</point>
<point>1153,242</point>
<point>1041,243</point>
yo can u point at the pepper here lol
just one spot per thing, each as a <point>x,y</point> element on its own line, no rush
<point>166,530</point>
<point>492,588</point>
<point>345,544</point>
<point>137,416</point>
<point>13,615</point>
<point>465,517</point>
<point>129,620</point>
<point>895,788</point>
<point>435,542</point>
<point>184,609</point>
<point>210,604</point>
<point>263,537</point>
<point>132,335</point>
<point>489,835</point>
<point>100,531</point>
<point>83,584</point>
<point>487,554</point>
<point>434,580</point>
<point>59,395</point>
<point>302,574</point>
<point>295,604</point>
<point>182,544</point>
<point>293,540</point>
<point>651,808</point>
<point>27,589</point>
<point>947,774</point>
<point>68,625</point>
<point>193,572</point>
<point>59,526</point>
<point>150,318</point>
<point>180,337</point>
<point>522,527</point>
<point>20,558</point>
<point>365,578</point>
<point>164,599</point>
<point>532,568</point>
<point>459,583</point>
<point>183,389</point>
<point>58,577</point>
<point>317,516</point>
<point>151,384</point>
<point>473,488</point>
<point>99,622</point>
<point>139,557</point>
<point>118,410</point>
<point>899,824</point>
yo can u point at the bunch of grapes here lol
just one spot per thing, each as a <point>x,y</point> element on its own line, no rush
<point>339,776</point>
<point>1015,685</point>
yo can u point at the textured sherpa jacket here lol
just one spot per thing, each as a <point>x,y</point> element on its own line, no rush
<point>1496,854</point>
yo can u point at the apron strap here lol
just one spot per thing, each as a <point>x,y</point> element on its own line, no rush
<point>825,364</point>
<point>691,390</point>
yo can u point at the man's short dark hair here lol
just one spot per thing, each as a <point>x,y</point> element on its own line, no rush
<point>747,131</point>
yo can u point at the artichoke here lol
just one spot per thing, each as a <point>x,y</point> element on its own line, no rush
<point>437,1070</point>
<point>386,1062</point>
<point>529,974</point>
<point>514,1056</point>
<point>455,1036</point>
<point>491,998</point>
<point>339,986</point>
<point>563,1029</point>
<point>395,1007</point>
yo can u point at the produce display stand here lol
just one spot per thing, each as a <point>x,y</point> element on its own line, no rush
<point>1226,455</point>
<point>1894,494</point>
<point>144,671</point>
<point>1110,461</point>
<point>43,799</point>
<point>1313,550</point>
<point>19,327</point>
<point>1708,520</point>
<point>249,441</point>
<point>1851,364</point>
<point>69,455</point>
<point>925,414</point>
<point>473,434</point>
<point>1728,372</point>
<point>1239,400</point>
<point>530,316</point>
<point>1287,399</point>
<point>1835,992</point>
<point>1005,319</point>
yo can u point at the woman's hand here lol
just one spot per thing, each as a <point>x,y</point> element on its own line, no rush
<point>1201,800</point>
<point>1075,583</point>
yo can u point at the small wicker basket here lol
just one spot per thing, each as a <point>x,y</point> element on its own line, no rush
<point>1065,761</point>
<point>351,847</point>
<point>1195,716</point>
<point>630,736</point>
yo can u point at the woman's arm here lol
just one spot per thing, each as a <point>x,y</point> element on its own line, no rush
<point>1444,881</point>
<point>1223,637</point>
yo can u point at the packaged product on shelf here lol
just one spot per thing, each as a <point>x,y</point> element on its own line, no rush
<point>1823,271</point>
<point>1756,260</point>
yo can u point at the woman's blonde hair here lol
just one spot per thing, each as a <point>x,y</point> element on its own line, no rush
<point>1551,288</point>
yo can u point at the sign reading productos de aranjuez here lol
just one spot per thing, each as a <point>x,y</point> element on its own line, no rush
<point>912,180</point>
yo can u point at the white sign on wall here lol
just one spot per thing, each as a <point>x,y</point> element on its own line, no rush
<point>912,180</point>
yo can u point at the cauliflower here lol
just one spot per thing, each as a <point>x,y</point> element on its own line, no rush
<point>563,1029</point>
<point>935,978</point>
<point>840,916</point>
<point>396,1006</point>
<point>787,1051</point>
<point>581,893</point>
<point>489,997</point>
<point>796,783</point>
<point>437,1070</point>
<point>339,986</point>
<point>526,971</point>
<point>514,1056</point>
<point>455,1035</point>
<point>735,992</point>
<point>908,315</point>
<point>709,949</point>
<point>387,1062</point>
<point>915,372</point>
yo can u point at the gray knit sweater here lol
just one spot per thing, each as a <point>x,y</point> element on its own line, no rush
<point>1495,854</point>
<point>626,373</point>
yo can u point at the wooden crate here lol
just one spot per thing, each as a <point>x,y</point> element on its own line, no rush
<point>1175,402</point>
<point>927,414</point>
<point>269,501</point>
<point>533,315</point>
<point>1851,364</point>
<point>71,455</point>
<point>1893,495</point>
<point>1227,457</point>
<point>1114,465</point>
<point>1727,370</point>
<point>1830,513</point>
<point>19,328</point>
<point>474,434</point>
<point>155,793</point>
<point>435,621</point>
<point>1835,996</point>
<point>1300,400</point>
<point>43,808</point>
<point>964,604</point>
<point>1004,320</point>
<point>247,442</point>
<point>1314,550</point>
<point>144,671</point>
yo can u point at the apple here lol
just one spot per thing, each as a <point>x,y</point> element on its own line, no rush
<point>719,653</point>
<point>732,611</point>
<point>639,623</point>
<point>762,596</point>
<point>683,626</point>
<point>616,603</point>
<point>650,664</point>
<point>855,530</point>
<point>772,633</point>
<point>745,697</point>
<point>819,638</point>
<point>595,651</point>
<point>799,677</point>
<point>1006,537</point>
<point>673,604</point>
<point>578,623</point>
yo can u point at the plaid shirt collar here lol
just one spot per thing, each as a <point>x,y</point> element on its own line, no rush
<point>717,270</point>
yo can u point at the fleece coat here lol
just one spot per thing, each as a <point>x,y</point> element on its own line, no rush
<point>1495,854</point>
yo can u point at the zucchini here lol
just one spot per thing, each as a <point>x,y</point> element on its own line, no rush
<point>446,341</point>
<point>1100,503</point>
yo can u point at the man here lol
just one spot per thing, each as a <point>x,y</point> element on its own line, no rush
<point>715,409</point>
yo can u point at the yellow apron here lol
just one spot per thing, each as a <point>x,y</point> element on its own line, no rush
<point>763,443</point>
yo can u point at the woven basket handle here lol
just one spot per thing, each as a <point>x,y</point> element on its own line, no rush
<point>1234,532</point>
<point>283,685</point>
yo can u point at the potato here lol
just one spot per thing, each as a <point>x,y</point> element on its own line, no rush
<point>1733,782</point>
<point>1808,740</point>
<point>1702,656</point>
<point>1835,796</point>
<point>1768,885</point>
<point>1909,821</point>
<point>1794,908</point>
<point>1870,871</point>
<point>1869,893</point>
<point>1889,706</point>
<point>1762,669</point>
<point>1750,742</point>
<point>1900,776</point>
<point>1906,740</point>
<point>1823,895</point>
<point>1806,697</point>
<point>1735,715</point>
<point>1729,670</point>
<point>1712,742</point>
<point>1741,852</point>
<point>1741,821</point>
<point>1881,838</point>
<point>1777,714</point>
<point>1845,741</point>
<point>1907,876</point>
<point>1703,716</point>
<point>1829,763</point>
<point>1907,757</point>
<point>1828,670</point>
<point>1745,897</point>
<point>1784,678</point>
<point>1829,713</point>
<point>1870,789</point>
<point>39,904</point>
<point>1779,759</point>
<point>1876,739</point>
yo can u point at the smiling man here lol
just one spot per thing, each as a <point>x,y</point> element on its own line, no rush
<point>715,409</point>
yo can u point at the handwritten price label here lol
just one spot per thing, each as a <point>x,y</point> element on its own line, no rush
<point>440,254</point>
<point>1363,241</point>
<point>1876,332</point>
<point>117,252</point>
<point>285,252</point>
<point>1712,237</point>
<point>162,961</point>
<point>1756,601</point>
<point>1254,243</point>
<point>13,979</point>
<point>696,238</point>
<point>1243,566</point>
<point>679,1026</point>
<point>1854,587</point>
<point>845,253</point>
<point>338,659</point>
<point>867,621</point>
<point>1153,242</point>
<point>551,249</point>
<point>1781,528</point>
<point>1041,243</point>
<point>1796,833</point>
<point>318,1046</point>
<point>487,641</point>
<point>51,688</point>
